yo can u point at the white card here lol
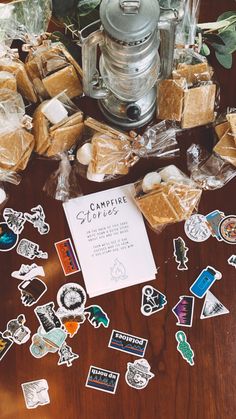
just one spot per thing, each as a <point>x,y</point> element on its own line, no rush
<point>110,239</point>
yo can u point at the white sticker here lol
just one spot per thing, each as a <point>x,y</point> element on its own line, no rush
<point>14,219</point>
<point>17,331</point>
<point>27,272</point>
<point>152,300</point>
<point>35,393</point>
<point>66,355</point>
<point>37,218</point>
<point>212,307</point>
<point>138,374</point>
<point>196,228</point>
<point>30,250</point>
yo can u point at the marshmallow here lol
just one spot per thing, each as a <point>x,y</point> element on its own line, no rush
<point>94,177</point>
<point>54,111</point>
<point>3,195</point>
<point>84,154</point>
<point>150,181</point>
<point>171,173</point>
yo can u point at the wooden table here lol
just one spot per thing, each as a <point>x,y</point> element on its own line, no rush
<point>178,391</point>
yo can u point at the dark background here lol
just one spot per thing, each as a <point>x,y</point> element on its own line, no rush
<point>178,391</point>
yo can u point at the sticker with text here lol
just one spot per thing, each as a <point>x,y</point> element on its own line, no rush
<point>5,345</point>
<point>138,374</point>
<point>103,380</point>
<point>37,218</point>
<point>35,393</point>
<point>127,343</point>
<point>204,281</point>
<point>30,250</point>
<point>152,300</point>
<point>67,257</point>
<point>184,347</point>
<point>212,307</point>
<point>180,252</point>
<point>196,228</point>
<point>183,310</point>
<point>232,260</point>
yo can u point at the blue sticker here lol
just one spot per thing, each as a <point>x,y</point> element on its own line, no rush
<point>127,343</point>
<point>103,380</point>
<point>204,281</point>
<point>8,239</point>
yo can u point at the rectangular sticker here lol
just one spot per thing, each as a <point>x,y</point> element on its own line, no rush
<point>127,343</point>
<point>103,380</point>
<point>5,345</point>
<point>67,257</point>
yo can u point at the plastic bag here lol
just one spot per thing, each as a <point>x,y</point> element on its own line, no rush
<point>13,74</point>
<point>63,184</point>
<point>57,126</point>
<point>187,28</point>
<point>166,196</point>
<point>3,195</point>
<point>16,141</point>
<point>52,69</point>
<point>190,97</point>
<point>109,153</point>
<point>32,18</point>
<point>7,24</point>
<point>209,171</point>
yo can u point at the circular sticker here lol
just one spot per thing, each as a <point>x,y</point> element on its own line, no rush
<point>8,239</point>
<point>196,228</point>
<point>71,297</point>
<point>227,229</point>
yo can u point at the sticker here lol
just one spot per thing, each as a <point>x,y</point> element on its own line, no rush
<point>183,310</point>
<point>103,380</point>
<point>196,228</point>
<point>38,219</point>
<point>39,347</point>
<point>14,219</point>
<point>17,331</point>
<point>47,316</point>
<point>8,239</point>
<point>138,374</point>
<point>152,300</point>
<point>30,250</point>
<point>213,220</point>
<point>204,281</point>
<point>70,322</point>
<point>184,348</point>
<point>232,260</point>
<point>72,298</point>
<point>27,272</point>
<point>35,393</point>
<point>212,307</point>
<point>67,257</point>
<point>227,229</point>
<point>127,343</point>
<point>96,316</point>
<point>5,345</point>
<point>66,355</point>
<point>31,291</point>
<point>180,251</point>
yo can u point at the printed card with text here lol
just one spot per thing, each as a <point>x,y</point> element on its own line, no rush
<point>110,239</point>
<point>103,380</point>
<point>127,343</point>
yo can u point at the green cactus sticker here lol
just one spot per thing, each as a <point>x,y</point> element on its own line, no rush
<point>184,347</point>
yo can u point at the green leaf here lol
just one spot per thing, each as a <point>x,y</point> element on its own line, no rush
<point>226,15</point>
<point>205,50</point>
<point>229,38</point>
<point>225,60</point>
<point>62,8</point>
<point>86,6</point>
<point>213,38</point>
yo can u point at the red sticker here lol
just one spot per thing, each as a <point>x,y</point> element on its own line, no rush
<point>68,259</point>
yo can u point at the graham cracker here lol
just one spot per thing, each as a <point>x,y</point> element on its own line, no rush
<point>100,127</point>
<point>64,138</point>
<point>221,129</point>
<point>193,73</point>
<point>64,79</point>
<point>170,100</point>
<point>109,155</point>
<point>226,148</point>
<point>198,106</point>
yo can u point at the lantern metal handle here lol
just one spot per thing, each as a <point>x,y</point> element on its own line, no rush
<point>130,7</point>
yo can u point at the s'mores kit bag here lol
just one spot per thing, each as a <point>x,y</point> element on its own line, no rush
<point>166,196</point>
<point>57,126</point>
<point>108,153</point>
<point>213,171</point>
<point>16,139</point>
<point>190,95</point>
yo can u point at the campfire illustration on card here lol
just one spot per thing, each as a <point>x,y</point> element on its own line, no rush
<point>118,271</point>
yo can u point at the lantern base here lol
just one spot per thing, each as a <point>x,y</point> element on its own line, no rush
<point>129,115</point>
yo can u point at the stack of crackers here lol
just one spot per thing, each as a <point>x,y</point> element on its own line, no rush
<point>16,142</point>
<point>52,69</point>
<point>226,133</point>
<point>169,202</point>
<point>188,97</point>
<point>50,140</point>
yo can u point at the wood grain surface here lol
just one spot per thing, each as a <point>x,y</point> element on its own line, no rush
<point>178,391</point>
